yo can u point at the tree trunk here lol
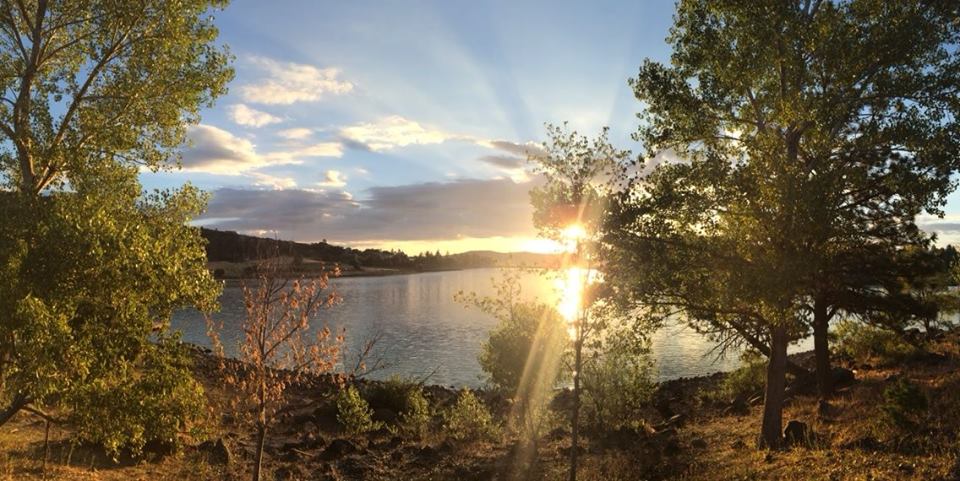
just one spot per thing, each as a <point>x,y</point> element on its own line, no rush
<point>15,406</point>
<point>792,368</point>
<point>821,348</point>
<point>258,462</point>
<point>575,417</point>
<point>772,426</point>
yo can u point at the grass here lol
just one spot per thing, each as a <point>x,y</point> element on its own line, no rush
<point>711,445</point>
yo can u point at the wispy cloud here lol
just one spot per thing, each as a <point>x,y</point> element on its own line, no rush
<point>243,115</point>
<point>392,132</point>
<point>218,151</point>
<point>424,211</point>
<point>298,133</point>
<point>273,182</point>
<point>286,83</point>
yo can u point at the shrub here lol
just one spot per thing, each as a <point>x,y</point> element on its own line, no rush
<point>415,419</point>
<point>469,419</point>
<point>353,412</point>
<point>862,343</point>
<point>903,404</point>
<point>747,380</point>
<point>616,384</point>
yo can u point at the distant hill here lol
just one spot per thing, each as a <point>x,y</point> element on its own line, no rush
<point>229,246</point>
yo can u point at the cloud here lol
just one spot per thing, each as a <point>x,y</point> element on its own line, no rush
<point>513,162</point>
<point>218,151</point>
<point>393,132</point>
<point>273,182</point>
<point>287,83</point>
<point>244,115</point>
<point>298,133</point>
<point>426,211</point>
<point>946,228</point>
<point>333,178</point>
<point>504,161</point>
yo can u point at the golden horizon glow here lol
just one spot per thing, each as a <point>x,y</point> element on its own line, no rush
<point>534,245</point>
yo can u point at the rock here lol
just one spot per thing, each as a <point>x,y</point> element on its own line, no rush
<point>216,451</point>
<point>385,415</point>
<point>842,376</point>
<point>290,472</point>
<point>738,407</point>
<point>337,449</point>
<point>866,443</point>
<point>698,443</point>
<point>823,408</point>
<point>797,433</point>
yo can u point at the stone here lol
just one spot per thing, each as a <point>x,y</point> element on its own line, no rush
<point>842,376</point>
<point>866,443</point>
<point>337,449</point>
<point>698,443</point>
<point>384,415</point>
<point>797,433</point>
<point>216,451</point>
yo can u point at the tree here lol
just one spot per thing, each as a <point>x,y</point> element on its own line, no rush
<point>93,82</point>
<point>808,132</point>
<point>523,354</point>
<point>91,91</point>
<point>89,277</point>
<point>567,209</point>
<point>276,352</point>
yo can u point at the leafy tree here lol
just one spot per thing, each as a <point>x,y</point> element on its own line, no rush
<point>567,208</point>
<point>809,132</point>
<point>278,349</point>
<point>100,82</point>
<point>89,277</point>
<point>91,91</point>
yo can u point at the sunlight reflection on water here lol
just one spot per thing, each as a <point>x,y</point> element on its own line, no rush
<point>425,331</point>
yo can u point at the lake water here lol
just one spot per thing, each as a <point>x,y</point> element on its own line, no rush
<point>425,331</point>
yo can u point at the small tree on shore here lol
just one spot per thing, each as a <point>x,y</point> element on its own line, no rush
<point>567,209</point>
<point>280,348</point>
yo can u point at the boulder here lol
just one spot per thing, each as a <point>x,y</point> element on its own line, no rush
<point>337,449</point>
<point>216,451</point>
<point>384,415</point>
<point>797,433</point>
<point>842,377</point>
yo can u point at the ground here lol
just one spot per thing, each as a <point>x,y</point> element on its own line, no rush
<point>707,442</point>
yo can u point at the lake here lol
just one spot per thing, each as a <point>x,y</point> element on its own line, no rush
<point>425,332</point>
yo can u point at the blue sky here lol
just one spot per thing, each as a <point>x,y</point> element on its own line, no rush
<point>405,124</point>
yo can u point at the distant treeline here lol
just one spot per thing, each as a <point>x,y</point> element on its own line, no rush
<point>229,246</point>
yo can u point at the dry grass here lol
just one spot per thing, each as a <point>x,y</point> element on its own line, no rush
<point>854,418</point>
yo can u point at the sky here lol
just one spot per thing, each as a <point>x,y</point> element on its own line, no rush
<point>406,124</point>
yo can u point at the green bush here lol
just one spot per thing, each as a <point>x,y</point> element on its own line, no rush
<point>469,419</point>
<point>863,343</point>
<point>415,418</point>
<point>405,398</point>
<point>616,385</point>
<point>353,412</point>
<point>904,404</point>
<point>746,381</point>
